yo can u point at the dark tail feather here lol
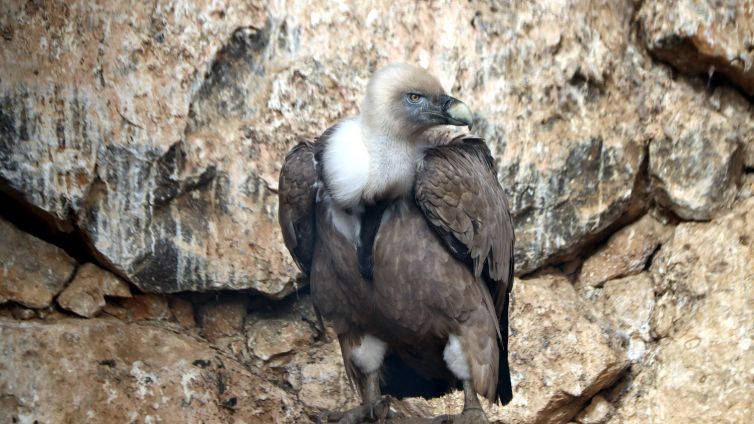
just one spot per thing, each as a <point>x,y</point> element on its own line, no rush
<point>504,388</point>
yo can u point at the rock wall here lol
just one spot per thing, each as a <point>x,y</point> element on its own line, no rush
<point>141,260</point>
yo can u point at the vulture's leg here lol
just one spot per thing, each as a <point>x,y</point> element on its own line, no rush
<point>472,409</point>
<point>373,407</point>
<point>367,357</point>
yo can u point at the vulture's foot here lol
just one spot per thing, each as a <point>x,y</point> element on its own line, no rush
<point>472,409</point>
<point>468,416</point>
<point>372,412</point>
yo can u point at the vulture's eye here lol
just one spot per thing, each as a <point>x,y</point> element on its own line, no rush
<point>414,97</point>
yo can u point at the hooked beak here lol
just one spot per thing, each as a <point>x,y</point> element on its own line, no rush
<point>456,112</point>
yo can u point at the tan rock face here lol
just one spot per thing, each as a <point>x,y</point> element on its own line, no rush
<point>271,337</point>
<point>174,120</point>
<point>597,412</point>
<point>156,132</point>
<point>559,357</point>
<point>32,272</point>
<point>85,295</point>
<point>101,93</point>
<point>626,305</point>
<point>287,347</point>
<point>102,370</point>
<point>703,37</point>
<point>625,253</point>
<point>702,372</point>
<point>689,139</point>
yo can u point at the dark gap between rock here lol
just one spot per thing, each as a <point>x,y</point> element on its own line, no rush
<point>40,224</point>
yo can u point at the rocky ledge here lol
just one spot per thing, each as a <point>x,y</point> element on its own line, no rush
<point>142,273</point>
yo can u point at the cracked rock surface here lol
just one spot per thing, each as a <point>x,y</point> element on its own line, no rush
<point>140,146</point>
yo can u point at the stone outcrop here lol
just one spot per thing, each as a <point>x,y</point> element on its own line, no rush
<point>151,137</point>
<point>701,369</point>
<point>85,295</point>
<point>94,109</point>
<point>625,253</point>
<point>181,123</point>
<point>703,37</point>
<point>32,272</point>
<point>626,306</point>
<point>103,370</point>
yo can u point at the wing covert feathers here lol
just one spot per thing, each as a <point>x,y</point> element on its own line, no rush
<point>297,194</point>
<point>457,190</point>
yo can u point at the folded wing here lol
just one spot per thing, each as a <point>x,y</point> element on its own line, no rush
<point>297,192</point>
<point>457,190</point>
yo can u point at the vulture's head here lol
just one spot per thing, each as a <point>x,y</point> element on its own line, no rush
<point>404,100</point>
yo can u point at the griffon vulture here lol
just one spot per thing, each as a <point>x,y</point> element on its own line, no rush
<point>407,242</point>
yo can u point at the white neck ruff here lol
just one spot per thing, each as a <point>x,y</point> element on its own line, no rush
<point>361,166</point>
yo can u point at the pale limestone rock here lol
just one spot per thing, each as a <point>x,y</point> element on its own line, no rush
<point>85,295</point>
<point>95,105</point>
<point>689,139</point>
<point>625,253</point>
<point>317,373</point>
<point>286,345</point>
<point>703,37</point>
<point>32,272</point>
<point>272,337</point>
<point>165,131</point>
<point>103,370</point>
<point>626,304</point>
<point>702,371</point>
<point>747,187</point>
<point>159,130</point>
<point>597,412</point>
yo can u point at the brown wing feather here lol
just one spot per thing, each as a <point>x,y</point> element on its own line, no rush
<point>457,190</point>
<point>296,195</point>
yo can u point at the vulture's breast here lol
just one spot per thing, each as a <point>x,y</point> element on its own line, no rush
<point>414,275</point>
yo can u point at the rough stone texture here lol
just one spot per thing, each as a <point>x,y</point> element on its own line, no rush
<point>597,412</point>
<point>625,253</point>
<point>156,133</point>
<point>272,337</point>
<point>702,370</point>
<point>223,316</point>
<point>85,295</point>
<point>140,307</point>
<point>165,126</point>
<point>687,139</point>
<point>94,106</point>
<point>747,187</point>
<point>285,343</point>
<point>21,313</point>
<point>102,370</point>
<point>626,304</point>
<point>703,37</point>
<point>32,272</point>
<point>183,311</point>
